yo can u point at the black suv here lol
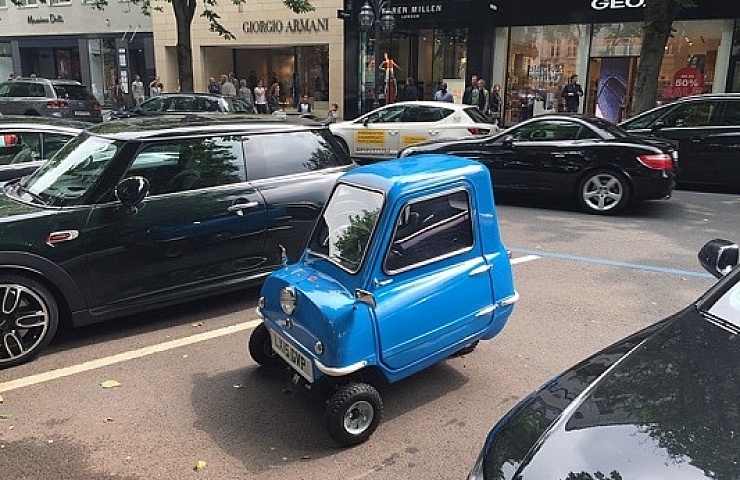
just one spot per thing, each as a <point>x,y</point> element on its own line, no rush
<point>49,98</point>
<point>154,211</point>
<point>706,129</point>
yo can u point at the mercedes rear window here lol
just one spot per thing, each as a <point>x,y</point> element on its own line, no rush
<point>73,92</point>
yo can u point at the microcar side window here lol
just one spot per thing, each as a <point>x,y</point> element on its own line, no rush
<point>343,232</point>
<point>430,229</point>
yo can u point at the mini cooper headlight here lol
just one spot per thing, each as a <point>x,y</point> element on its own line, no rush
<point>288,300</point>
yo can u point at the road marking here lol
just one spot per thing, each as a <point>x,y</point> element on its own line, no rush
<point>613,263</point>
<point>524,259</point>
<point>122,357</point>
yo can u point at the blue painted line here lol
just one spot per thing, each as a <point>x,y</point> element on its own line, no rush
<point>602,261</point>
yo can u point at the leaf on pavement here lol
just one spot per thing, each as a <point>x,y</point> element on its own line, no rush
<point>199,465</point>
<point>196,324</point>
<point>1,399</point>
<point>110,384</point>
<point>6,416</point>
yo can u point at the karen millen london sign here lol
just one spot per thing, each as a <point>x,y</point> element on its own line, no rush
<point>296,25</point>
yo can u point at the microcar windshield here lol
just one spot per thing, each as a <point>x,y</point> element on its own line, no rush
<point>71,172</point>
<point>343,233</point>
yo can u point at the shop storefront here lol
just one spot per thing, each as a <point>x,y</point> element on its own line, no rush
<point>68,40</point>
<point>430,42</point>
<point>300,53</point>
<point>538,46</point>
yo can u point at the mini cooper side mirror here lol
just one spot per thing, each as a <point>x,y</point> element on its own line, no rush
<point>719,257</point>
<point>131,191</point>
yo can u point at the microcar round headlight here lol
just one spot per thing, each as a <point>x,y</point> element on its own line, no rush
<point>288,300</point>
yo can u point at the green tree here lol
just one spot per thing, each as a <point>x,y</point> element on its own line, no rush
<point>657,28</point>
<point>184,14</point>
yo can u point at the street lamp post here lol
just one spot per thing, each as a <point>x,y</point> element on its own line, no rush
<point>377,14</point>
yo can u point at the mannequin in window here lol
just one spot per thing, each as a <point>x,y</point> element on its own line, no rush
<point>389,66</point>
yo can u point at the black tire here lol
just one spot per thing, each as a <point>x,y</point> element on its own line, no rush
<point>353,413</point>
<point>466,349</point>
<point>29,318</point>
<point>603,192</point>
<point>342,144</point>
<point>260,347</point>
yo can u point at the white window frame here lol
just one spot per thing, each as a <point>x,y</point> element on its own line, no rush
<point>3,4</point>
<point>59,3</point>
<point>30,4</point>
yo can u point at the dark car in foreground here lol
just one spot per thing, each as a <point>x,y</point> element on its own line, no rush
<point>706,129</point>
<point>662,403</point>
<point>587,159</point>
<point>42,97</point>
<point>180,103</point>
<point>26,143</point>
<point>149,212</point>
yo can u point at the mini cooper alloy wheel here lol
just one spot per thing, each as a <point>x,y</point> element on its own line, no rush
<point>28,319</point>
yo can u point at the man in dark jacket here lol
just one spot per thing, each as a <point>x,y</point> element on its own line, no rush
<point>572,94</point>
<point>410,91</point>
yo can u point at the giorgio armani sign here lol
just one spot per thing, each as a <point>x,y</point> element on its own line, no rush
<point>296,25</point>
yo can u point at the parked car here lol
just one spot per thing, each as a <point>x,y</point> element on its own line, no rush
<point>588,159</point>
<point>370,296</point>
<point>380,134</point>
<point>661,403</point>
<point>706,129</point>
<point>149,212</point>
<point>179,103</point>
<point>42,97</point>
<point>26,143</point>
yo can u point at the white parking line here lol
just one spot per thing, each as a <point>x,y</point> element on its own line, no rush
<point>122,357</point>
<point>526,258</point>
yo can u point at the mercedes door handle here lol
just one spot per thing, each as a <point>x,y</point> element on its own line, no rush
<point>558,155</point>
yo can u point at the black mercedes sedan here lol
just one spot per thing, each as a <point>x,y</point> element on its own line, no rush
<point>588,159</point>
<point>660,404</point>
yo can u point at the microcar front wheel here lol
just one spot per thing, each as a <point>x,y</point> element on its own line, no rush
<point>353,413</point>
<point>260,347</point>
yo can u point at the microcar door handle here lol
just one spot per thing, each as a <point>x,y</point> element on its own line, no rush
<point>479,270</point>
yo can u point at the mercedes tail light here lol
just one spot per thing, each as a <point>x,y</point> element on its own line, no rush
<point>657,161</point>
<point>96,105</point>
<point>10,140</point>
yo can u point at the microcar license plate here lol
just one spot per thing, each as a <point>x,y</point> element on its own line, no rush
<point>295,359</point>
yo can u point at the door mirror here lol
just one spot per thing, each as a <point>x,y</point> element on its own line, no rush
<point>132,191</point>
<point>363,296</point>
<point>719,257</point>
<point>508,142</point>
<point>657,126</point>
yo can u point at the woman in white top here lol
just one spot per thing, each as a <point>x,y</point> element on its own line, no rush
<point>260,98</point>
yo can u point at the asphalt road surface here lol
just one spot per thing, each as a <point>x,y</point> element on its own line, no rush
<point>189,392</point>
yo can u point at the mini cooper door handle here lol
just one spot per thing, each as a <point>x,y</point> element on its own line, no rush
<point>239,207</point>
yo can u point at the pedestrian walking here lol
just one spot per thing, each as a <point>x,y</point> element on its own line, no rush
<point>443,95</point>
<point>137,90</point>
<point>260,97</point>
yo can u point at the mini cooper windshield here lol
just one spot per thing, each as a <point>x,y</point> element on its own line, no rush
<point>71,173</point>
<point>343,233</point>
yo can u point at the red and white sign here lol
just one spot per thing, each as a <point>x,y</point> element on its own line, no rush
<point>686,81</point>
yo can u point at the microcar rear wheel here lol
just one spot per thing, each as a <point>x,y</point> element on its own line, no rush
<point>353,413</point>
<point>29,318</point>
<point>260,347</point>
<point>603,192</point>
<point>466,349</point>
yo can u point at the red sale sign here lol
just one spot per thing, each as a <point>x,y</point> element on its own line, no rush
<point>686,81</point>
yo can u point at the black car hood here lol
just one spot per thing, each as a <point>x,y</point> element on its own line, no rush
<point>667,409</point>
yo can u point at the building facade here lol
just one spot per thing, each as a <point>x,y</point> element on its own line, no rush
<point>531,47</point>
<point>304,54</point>
<point>70,39</point>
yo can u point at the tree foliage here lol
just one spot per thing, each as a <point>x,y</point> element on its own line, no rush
<point>657,29</point>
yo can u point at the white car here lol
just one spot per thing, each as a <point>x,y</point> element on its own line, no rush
<point>381,133</point>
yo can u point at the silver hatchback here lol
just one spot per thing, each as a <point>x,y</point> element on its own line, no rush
<point>49,98</point>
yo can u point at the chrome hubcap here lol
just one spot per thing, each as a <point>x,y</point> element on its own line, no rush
<point>24,321</point>
<point>358,417</point>
<point>602,192</point>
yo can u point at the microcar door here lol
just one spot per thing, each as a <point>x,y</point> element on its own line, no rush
<point>433,288</point>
